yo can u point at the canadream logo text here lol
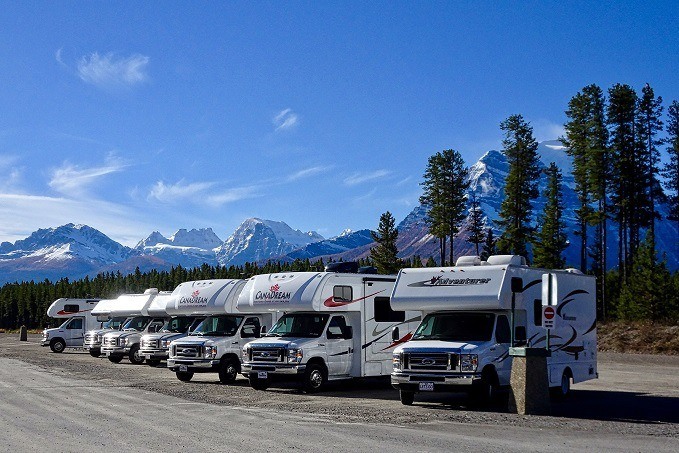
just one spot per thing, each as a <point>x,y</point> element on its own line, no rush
<point>273,295</point>
<point>194,300</point>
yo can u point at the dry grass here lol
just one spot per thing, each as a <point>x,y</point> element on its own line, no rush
<point>639,337</point>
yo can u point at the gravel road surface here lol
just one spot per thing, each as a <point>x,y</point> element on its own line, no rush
<point>74,402</point>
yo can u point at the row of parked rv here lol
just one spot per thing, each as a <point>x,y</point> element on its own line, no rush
<point>431,329</point>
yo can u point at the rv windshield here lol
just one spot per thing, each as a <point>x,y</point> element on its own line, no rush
<point>218,326</point>
<point>303,325</point>
<point>113,323</point>
<point>463,327</point>
<point>177,325</point>
<point>137,323</point>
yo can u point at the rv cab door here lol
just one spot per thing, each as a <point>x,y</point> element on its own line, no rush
<point>339,346</point>
<point>75,332</point>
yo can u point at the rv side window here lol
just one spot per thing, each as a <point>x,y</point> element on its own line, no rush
<point>343,293</point>
<point>537,312</point>
<point>76,323</point>
<point>502,330</point>
<point>384,313</point>
<point>71,308</point>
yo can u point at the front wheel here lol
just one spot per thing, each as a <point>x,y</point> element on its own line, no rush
<point>314,378</point>
<point>115,358</point>
<point>134,355</point>
<point>58,345</point>
<point>564,389</point>
<point>407,398</point>
<point>95,352</point>
<point>153,362</point>
<point>258,384</point>
<point>485,391</point>
<point>184,376</point>
<point>228,371</point>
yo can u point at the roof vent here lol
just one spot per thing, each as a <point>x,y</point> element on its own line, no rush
<point>343,267</point>
<point>468,261</point>
<point>515,260</point>
<point>151,291</point>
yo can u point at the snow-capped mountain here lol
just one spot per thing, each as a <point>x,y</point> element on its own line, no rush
<point>348,240</point>
<point>187,248</point>
<point>256,240</point>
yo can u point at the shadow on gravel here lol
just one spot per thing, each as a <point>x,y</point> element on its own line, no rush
<point>618,406</point>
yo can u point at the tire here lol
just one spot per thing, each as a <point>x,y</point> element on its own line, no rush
<point>58,345</point>
<point>115,358</point>
<point>564,389</point>
<point>228,371</point>
<point>184,376</point>
<point>485,391</point>
<point>258,384</point>
<point>407,398</point>
<point>134,356</point>
<point>95,352</point>
<point>314,378</point>
<point>153,362</point>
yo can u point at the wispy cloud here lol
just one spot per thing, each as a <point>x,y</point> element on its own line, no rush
<point>285,119</point>
<point>547,130</point>
<point>360,178</point>
<point>181,190</point>
<point>232,195</point>
<point>307,172</point>
<point>72,180</point>
<point>111,70</point>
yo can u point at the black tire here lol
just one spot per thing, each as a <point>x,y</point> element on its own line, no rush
<point>153,362</point>
<point>315,377</point>
<point>184,376</point>
<point>134,356</point>
<point>564,389</point>
<point>57,345</point>
<point>95,352</point>
<point>407,398</point>
<point>115,358</point>
<point>258,384</point>
<point>485,391</point>
<point>228,371</point>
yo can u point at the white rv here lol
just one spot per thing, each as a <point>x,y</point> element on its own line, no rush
<point>335,326</point>
<point>215,345</point>
<point>79,319</point>
<point>464,339</point>
<point>102,311</point>
<point>155,347</point>
<point>125,342</point>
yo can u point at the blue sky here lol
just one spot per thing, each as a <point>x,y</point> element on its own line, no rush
<point>140,116</point>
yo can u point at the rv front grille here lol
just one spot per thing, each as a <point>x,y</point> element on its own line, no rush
<point>91,339</point>
<point>110,341</point>
<point>267,354</point>
<point>430,361</point>
<point>187,351</point>
<point>146,343</point>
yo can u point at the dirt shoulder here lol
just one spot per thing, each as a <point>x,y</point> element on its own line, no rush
<point>638,337</point>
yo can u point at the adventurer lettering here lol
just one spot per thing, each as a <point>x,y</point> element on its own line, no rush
<point>445,281</point>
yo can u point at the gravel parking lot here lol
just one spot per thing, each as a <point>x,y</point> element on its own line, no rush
<point>635,401</point>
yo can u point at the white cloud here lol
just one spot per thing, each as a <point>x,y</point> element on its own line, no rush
<point>73,180</point>
<point>168,193</point>
<point>360,178</point>
<point>286,119</point>
<point>305,173</point>
<point>547,130</point>
<point>232,195</point>
<point>110,70</point>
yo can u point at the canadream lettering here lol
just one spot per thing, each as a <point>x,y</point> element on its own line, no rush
<point>280,296</point>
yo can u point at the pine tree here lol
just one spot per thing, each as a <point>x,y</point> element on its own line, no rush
<point>488,245</point>
<point>521,186</point>
<point>384,254</point>
<point>475,225</point>
<point>671,168</point>
<point>551,239</point>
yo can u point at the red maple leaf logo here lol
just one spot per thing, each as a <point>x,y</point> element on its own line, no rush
<point>195,293</point>
<point>275,288</point>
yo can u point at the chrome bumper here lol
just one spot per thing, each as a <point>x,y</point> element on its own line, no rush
<point>273,368</point>
<point>399,378</point>
<point>173,363</point>
<point>117,350</point>
<point>154,353</point>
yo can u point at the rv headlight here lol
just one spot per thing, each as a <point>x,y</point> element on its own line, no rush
<point>45,335</point>
<point>97,338</point>
<point>397,360</point>
<point>295,355</point>
<point>246,353</point>
<point>123,342</point>
<point>165,343</point>
<point>469,362</point>
<point>209,352</point>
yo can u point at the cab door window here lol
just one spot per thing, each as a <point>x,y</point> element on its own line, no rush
<point>76,324</point>
<point>336,327</point>
<point>251,328</point>
<point>502,330</point>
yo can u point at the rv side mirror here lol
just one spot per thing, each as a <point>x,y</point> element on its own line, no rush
<point>395,336</point>
<point>517,284</point>
<point>520,335</point>
<point>348,333</point>
<point>263,330</point>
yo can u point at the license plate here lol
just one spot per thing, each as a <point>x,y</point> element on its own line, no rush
<point>183,368</point>
<point>426,386</point>
<point>262,375</point>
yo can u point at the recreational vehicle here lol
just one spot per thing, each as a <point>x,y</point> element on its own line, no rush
<point>154,347</point>
<point>215,344</point>
<point>476,311</point>
<point>125,342</point>
<point>102,311</point>
<point>335,326</point>
<point>71,332</point>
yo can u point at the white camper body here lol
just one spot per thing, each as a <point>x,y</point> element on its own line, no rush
<point>215,344</point>
<point>125,342</point>
<point>155,347</point>
<point>463,341</point>
<point>79,319</point>
<point>335,326</point>
<point>102,311</point>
